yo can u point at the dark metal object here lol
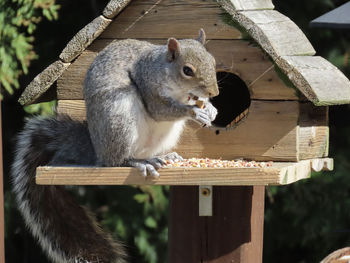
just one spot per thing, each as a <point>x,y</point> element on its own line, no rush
<point>233,234</point>
<point>338,18</point>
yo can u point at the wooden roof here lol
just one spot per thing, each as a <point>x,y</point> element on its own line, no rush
<point>320,81</point>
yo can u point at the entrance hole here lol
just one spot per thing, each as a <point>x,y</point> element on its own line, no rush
<point>232,102</point>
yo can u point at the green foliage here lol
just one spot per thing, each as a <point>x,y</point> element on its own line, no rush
<point>135,215</point>
<point>18,21</point>
<point>44,108</point>
<point>308,220</point>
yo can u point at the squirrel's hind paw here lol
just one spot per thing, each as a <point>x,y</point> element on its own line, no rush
<point>147,167</point>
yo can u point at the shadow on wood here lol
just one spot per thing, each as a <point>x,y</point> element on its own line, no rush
<point>233,234</point>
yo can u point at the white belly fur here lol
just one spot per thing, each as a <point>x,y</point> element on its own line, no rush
<point>156,138</point>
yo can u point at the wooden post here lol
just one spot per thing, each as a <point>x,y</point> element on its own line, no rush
<point>233,234</point>
<point>2,217</point>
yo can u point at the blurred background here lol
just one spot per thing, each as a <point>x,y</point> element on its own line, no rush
<point>304,222</point>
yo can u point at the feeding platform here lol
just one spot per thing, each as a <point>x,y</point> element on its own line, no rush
<point>279,173</point>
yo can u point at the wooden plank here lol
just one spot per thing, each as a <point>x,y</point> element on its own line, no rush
<point>257,71</point>
<point>114,7</point>
<point>319,80</point>
<point>341,255</point>
<point>279,173</point>
<point>274,32</point>
<point>324,164</point>
<point>235,56</point>
<point>74,108</point>
<point>181,19</point>
<point>268,133</point>
<point>42,82</point>
<point>2,215</point>
<point>70,84</point>
<point>84,38</point>
<point>313,131</point>
<point>240,5</point>
<point>233,234</point>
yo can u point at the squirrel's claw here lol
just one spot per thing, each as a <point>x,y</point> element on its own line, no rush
<point>157,162</point>
<point>151,170</point>
<point>147,167</point>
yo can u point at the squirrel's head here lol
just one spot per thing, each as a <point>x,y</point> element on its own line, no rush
<point>194,65</point>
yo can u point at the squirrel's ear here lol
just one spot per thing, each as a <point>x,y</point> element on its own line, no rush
<point>201,37</point>
<point>173,49</point>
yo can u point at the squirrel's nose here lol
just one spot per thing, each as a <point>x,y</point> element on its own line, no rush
<point>214,91</point>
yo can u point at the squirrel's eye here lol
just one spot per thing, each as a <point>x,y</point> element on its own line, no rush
<point>188,71</point>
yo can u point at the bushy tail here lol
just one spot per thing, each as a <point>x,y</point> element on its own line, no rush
<point>65,230</point>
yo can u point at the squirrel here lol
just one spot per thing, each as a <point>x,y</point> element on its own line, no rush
<point>138,97</point>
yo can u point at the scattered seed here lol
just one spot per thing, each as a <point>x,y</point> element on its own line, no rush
<point>216,163</point>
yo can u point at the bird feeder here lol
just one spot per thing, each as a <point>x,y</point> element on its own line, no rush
<point>273,107</point>
<point>338,18</point>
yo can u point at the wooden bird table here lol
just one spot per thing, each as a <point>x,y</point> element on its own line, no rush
<point>216,214</point>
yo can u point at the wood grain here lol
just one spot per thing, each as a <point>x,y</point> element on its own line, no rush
<point>84,38</point>
<point>181,19</point>
<point>272,131</point>
<point>42,82</point>
<point>319,80</point>
<point>313,131</point>
<point>274,32</point>
<point>268,133</point>
<point>230,235</point>
<point>279,174</point>
<point>338,256</point>
<point>114,7</point>
<point>74,108</point>
<point>235,56</point>
<point>251,4</point>
<point>324,164</point>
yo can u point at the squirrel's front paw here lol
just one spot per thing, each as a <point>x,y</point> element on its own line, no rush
<point>202,116</point>
<point>173,156</point>
<point>212,111</point>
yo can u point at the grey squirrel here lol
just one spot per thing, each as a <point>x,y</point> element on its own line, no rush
<point>146,86</point>
<point>138,98</point>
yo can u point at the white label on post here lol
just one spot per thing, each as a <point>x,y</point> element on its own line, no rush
<point>205,200</point>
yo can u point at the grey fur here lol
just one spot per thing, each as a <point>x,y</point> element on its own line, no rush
<point>137,103</point>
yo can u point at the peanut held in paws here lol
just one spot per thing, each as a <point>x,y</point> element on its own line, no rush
<point>200,104</point>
